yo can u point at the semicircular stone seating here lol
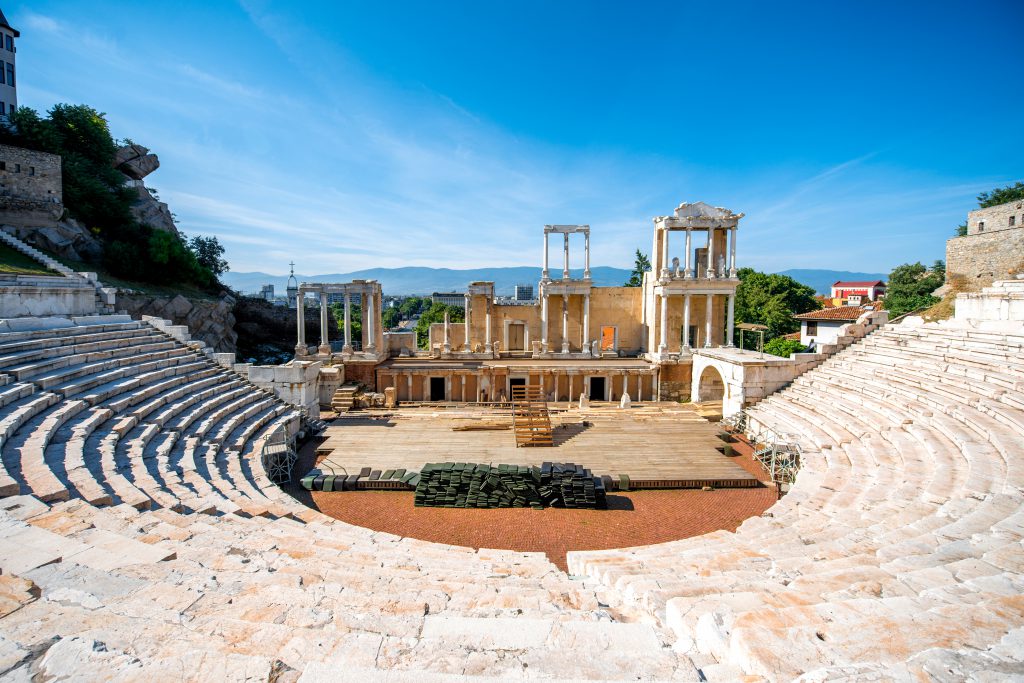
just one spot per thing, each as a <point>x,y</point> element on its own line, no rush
<point>142,540</point>
<point>897,554</point>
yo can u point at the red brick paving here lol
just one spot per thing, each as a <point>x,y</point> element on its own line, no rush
<point>633,518</point>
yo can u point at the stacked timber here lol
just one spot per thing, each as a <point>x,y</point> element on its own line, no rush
<point>471,485</point>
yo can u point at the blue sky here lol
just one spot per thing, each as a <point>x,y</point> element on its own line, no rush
<point>854,135</point>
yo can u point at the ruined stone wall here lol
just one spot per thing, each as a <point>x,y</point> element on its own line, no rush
<point>984,257</point>
<point>674,379</point>
<point>210,321</point>
<point>30,187</point>
<point>1001,217</point>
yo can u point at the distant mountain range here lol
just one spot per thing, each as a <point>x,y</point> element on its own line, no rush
<point>422,280</point>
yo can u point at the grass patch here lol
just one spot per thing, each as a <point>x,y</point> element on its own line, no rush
<point>109,280</point>
<point>13,262</point>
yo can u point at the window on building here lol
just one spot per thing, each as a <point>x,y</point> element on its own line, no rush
<point>981,226</point>
<point>3,108</point>
<point>3,165</point>
<point>10,74</point>
<point>31,170</point>
<point>10,43</point>
<point>3,78</point>
<point>17,168</point>
<point>11,109</point>
<point>1013,220</point>
<point>812,328</point>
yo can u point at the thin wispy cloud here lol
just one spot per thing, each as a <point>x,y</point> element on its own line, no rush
<point>302,152</point>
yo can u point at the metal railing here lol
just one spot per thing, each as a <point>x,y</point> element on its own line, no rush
<point>777,452</point>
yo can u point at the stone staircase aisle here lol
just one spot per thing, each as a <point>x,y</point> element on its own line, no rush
<point>344,398</point>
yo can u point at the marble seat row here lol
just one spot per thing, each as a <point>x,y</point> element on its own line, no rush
<point>162,551</point>
<point>906,518</point>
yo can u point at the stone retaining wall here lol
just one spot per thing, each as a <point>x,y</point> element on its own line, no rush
<point>210,321</point>
<point>983,258</point>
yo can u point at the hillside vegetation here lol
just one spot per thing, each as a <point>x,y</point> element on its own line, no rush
<point>96,194</point>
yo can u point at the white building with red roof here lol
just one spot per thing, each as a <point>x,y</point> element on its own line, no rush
<point>869,291</point>
<point>822,327</point>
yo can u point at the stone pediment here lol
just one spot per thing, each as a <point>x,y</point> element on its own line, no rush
<point>702,210</point>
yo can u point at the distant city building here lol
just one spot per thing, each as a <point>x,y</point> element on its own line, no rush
<point>448,298</point>
<point>293,287</point>
<point>354,298</point>
<point>871,291</point>
<point>267,292</point>
<point>8,84</point>
<point>524,293</point>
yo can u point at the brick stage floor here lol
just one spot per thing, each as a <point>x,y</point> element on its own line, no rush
<point>634,518</point>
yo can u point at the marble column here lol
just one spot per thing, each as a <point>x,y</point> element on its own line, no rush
<point>586,255</point>
<point>368,318</point>
<point>640,387</point>
<point>688,269</point>
<point>300,311</point>
<point>707,320</point>
<point>544,322</point>
<point>463,388</point>
<point>732,252</point>
<point>347,348</point>
<point>565,265</point>
<point>408,378</point>
<point>586,324</point>
<point>686,322</point>
<point>730,329</point>
<point>664,253</point>
<point>544,271</point>
<point>325,346</point>
<point>465,326</point>
<point>565,323</point>
<point>487,335</point>
<point>663,346</point>
<point>446,346</point>
<point>711,254</point>
<point>657,384</point>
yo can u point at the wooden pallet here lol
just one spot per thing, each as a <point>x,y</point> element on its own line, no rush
<point>530,420</point>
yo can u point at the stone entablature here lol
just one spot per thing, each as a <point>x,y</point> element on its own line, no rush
<point>30,186</point>
<point>993,218</point>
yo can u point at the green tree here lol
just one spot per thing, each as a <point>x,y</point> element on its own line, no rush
<point>640,266</point>
<point>209,253</point>
<point>413,305</point>
<point>772,300</point>
<point>435,314</point>
<point>1001,195</point>
<point>911,285</point>
<point>780,346</point>
<point>355,313</point>
<point>390,318</point>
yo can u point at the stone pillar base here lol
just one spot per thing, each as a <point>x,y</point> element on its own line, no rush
<point>324,349</point>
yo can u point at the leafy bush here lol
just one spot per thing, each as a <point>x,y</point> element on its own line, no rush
<point>772,300</point>
<point>780,346</point>
<point>911,285</point>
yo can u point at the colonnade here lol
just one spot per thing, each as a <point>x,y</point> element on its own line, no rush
<point>709,307</point>
<point>368,293</point>
<point>688,272</point>
<point>457,388</point>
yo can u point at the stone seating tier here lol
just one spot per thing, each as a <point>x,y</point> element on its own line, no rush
<point>906,518</point>
<point>896,554</point>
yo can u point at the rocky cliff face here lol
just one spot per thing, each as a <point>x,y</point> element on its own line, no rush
<point>211,321</point>
<point>266,333</point>
<point>68,239</point>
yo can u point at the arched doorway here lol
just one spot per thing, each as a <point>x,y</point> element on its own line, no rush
<point>711,386</point>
